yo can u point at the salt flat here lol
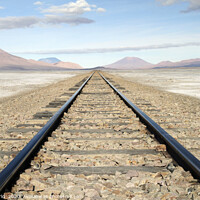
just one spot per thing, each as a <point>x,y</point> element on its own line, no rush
<point>15,82</point>
<point>183,81</point>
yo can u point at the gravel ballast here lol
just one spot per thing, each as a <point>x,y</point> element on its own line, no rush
<point>78,142</point>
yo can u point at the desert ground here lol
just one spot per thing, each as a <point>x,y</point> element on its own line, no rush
<point>16,82</point>
<point>182,81</point>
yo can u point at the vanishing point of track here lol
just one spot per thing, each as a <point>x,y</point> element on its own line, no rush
<point>96,141</point>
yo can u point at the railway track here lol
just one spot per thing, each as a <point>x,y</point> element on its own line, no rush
<point>99,150</point>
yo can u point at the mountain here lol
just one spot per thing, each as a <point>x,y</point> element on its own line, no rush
<point>58,63</point>
<point>50,60</point>
<point>40,63</point>
<point>68,65</point>
<point>164,63</point>
<point>183,63</point>
<point>130,63</point>
<point>11,62</point>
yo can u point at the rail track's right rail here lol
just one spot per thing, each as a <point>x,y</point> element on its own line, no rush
<point>187,160</point>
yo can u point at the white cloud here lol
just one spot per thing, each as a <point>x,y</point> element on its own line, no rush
<point>101,10</point>
<point>1,8</point>
<point>18,22</point>
<point>38,3</point>
<point>62,14</point>
<point>194,5</point>
<point>73,8</point>
<point>56,19</point>
<point>30,21</point>
<point>108,50</point>
<point>168,2</point>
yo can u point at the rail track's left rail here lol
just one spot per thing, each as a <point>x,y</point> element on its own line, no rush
<point>16,164</point>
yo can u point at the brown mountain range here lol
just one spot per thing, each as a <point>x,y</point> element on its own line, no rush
<point>11,62</point>
<point>183,63</point>
<point>67,65</point>
<point>131,63</point>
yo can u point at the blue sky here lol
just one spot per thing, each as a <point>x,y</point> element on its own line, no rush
<point>99,32</point>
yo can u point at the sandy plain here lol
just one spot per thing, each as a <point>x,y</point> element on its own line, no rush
<point>182,81</point>
<point>28,100</point>
<point>15,82</point>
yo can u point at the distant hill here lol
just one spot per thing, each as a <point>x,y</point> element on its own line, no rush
<point>130,63</point>
<point>183,63</point>
<point>68,65</point>
<point>58,63</point>
<point>50,60</point>
<point>11,62</point>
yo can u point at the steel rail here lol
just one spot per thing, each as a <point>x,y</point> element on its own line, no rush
<point>187,160</point>
<point>15,165</point>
